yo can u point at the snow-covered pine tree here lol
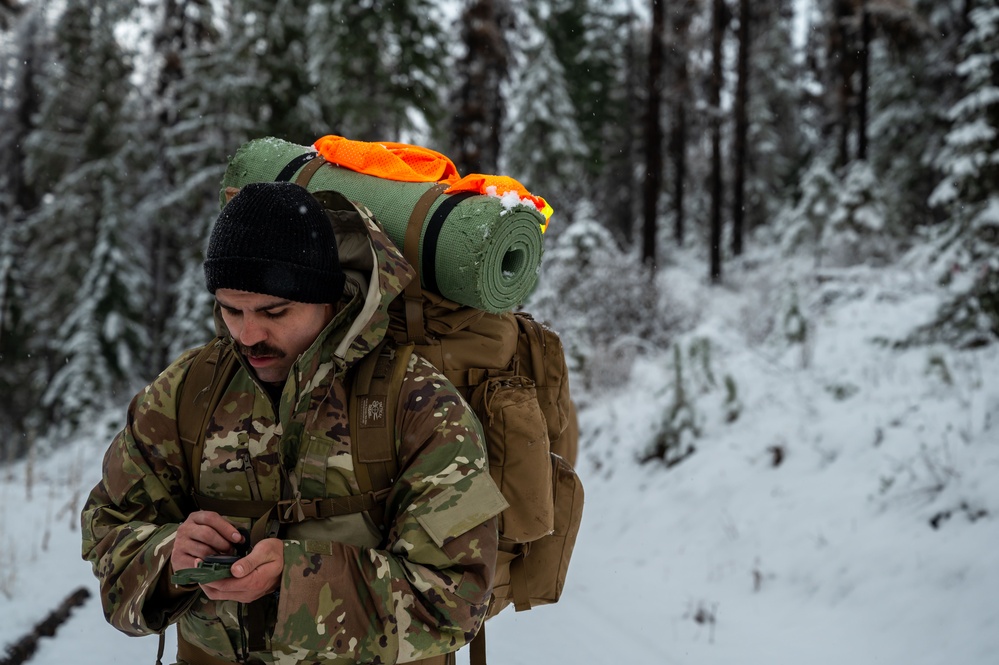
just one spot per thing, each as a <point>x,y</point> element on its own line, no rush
<point>779,140</point>
<point>99,344</point>
<point>480,72</point>
<point>543,147</point>
<point>16,380</point>
<point>379,70</point>
<point>912,84</point>
<point>20,61</point>
<point>596,47</point>
<point>969,192</point>
<point>74,160</point>
<point>188,122</point>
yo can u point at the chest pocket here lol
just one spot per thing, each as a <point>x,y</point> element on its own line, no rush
<point>326,469</point>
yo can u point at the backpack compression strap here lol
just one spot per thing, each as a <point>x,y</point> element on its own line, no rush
<point>206,380</point>
<point>371,411</point>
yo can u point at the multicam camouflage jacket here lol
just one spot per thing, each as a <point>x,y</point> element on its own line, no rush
<point>349,594</point>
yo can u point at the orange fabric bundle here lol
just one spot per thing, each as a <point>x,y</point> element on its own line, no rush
<point>480,183</point>
<point>411,163</point>
<point>392,161</point>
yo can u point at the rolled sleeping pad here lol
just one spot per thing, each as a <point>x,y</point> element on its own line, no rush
<point>473,249</point>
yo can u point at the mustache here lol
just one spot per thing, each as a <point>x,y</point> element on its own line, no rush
<point>261,349</point>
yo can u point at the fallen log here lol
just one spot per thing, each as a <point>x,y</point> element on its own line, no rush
<point>22,650</point>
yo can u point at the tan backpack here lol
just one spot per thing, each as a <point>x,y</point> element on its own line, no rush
<point>512,371</point>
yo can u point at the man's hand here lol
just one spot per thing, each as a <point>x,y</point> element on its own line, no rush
<point>202,534</point>
<point>254,576</point>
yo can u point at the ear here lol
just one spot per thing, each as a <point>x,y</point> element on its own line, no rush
<point>230,192</point>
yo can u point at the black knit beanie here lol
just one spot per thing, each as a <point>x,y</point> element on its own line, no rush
<point>274,238</point>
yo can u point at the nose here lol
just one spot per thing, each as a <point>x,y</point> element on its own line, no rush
<point>251,332</point>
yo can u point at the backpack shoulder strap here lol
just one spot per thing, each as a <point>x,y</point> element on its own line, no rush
<point>371,412</point>
<point>206,380</point>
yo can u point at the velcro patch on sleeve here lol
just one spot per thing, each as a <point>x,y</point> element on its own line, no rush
<point>454,512</point>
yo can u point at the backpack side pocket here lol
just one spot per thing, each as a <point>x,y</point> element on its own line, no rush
<point>519,451</point>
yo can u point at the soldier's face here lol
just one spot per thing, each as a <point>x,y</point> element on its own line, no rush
<point>271,332</point>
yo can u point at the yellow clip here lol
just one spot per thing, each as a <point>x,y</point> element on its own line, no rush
<point>547,212</point>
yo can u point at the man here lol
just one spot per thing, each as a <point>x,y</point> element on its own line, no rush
<point>339,589</point>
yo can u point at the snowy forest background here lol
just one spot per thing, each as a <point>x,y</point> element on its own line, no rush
<point>848,131</point>
<point>773,263</point>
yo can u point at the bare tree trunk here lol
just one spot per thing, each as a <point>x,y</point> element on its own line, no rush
<point>679,131</point>
<point>717,32</point>
<point>653,136</point>
<point>478,121</point>
<point>865,74</point>
<point>840,50</point>
<point>678,152</point>
<point>627,194</point>
<point>741,130</point>
<point>22,651</point>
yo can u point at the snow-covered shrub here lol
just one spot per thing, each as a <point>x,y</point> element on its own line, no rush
<point>693,396</point>
<point>967,253</point>
<point>605,308</point>
<point>681,424</point>
<point>839,221</point>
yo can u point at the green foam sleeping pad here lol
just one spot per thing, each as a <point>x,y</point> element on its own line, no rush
<point>476,251</point>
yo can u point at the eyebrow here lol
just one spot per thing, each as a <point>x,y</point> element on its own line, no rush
<point>262,308</point>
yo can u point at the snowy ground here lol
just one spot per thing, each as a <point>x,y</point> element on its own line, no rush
<point>829,557</point>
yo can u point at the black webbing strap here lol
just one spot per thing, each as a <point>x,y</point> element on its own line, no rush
<point>432,236</point>
<point>256,624</point>
<point>291,167</point>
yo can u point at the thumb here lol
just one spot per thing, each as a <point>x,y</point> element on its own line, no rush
<point>261,555</point>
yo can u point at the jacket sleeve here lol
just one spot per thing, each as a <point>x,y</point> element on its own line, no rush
<point>427,591</point>
<point>130,518</point>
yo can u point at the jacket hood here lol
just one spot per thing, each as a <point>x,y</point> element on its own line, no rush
<point>377,273</point>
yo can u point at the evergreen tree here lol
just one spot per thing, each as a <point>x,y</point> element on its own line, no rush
<point>102,337</point>
<point>544,148</point>
<point>592,43</point>
<point>9,12</point>
<point>481,72</point>
<point>681,110</point>
<point>378,69</point>
<point>21,58</point>
<point>82,93</point>
<point>185,128</point>
<point>17,383</point>
<point>20,62</point>
<point>911,86</point>
<point>969,191</point>
<point>269,53</point>
<point>652,123</point>
<point>719,22</point>
<point>779,138</point>
<point>605,316</point>
<point>75,161</point>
